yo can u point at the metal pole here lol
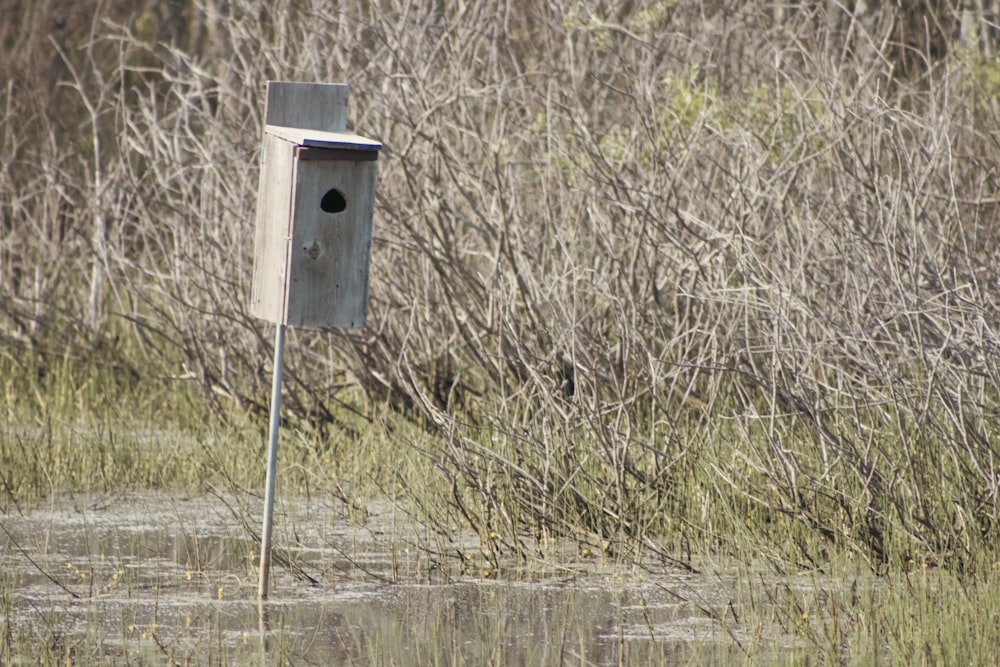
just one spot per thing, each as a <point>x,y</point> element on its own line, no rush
<point>272,463</point>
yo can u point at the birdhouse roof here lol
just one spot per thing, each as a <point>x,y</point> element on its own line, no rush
<point>321,139</point>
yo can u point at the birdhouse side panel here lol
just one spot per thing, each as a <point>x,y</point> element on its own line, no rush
<point>274,210</point>
<point>331,243</point>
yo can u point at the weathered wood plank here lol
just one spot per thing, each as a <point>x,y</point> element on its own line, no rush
<point>330,251</point>
<point>312,106</point>
<point>274,215</point>
<point>314,211</point>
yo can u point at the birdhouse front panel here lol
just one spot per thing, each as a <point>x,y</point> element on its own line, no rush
<point>331,237</point>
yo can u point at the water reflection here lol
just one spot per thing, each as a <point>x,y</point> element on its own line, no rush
<point>156,575</point>
<point>490,622</point>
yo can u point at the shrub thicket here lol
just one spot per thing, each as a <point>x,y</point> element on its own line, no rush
<point>665,272</point>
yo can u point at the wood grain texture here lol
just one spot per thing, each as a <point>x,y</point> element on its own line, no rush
<point>274,216</point>
<point>314,211</point>
<point>330,252</point>
<point>310,106</point>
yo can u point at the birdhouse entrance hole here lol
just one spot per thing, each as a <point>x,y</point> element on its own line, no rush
<point>333,201</point>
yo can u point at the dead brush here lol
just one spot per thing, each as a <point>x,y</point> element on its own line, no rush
<point>675,274</point>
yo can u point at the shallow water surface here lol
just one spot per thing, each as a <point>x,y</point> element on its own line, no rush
<point>169,578</point>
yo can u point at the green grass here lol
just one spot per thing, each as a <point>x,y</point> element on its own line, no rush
<point>76,427</point>
<point>720,289</point>
<point>927,616</point>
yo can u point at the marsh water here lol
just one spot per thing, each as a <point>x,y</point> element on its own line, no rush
<point>167,578</point>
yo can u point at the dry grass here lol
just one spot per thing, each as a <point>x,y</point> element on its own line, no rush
<point>673,276</point>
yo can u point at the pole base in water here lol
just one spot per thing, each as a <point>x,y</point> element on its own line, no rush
<point>272,464</point>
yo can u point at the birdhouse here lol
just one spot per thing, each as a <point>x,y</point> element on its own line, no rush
<point>314,210</point>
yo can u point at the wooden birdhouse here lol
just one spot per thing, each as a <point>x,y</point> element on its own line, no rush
<point>314,210</point>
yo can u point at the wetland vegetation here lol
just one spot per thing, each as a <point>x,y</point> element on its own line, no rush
<point>666,295</point>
